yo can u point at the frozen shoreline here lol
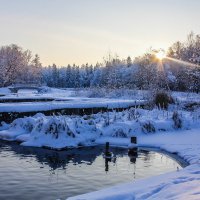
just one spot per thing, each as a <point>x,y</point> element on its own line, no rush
<point>62,131</point>
<point>183,184</point>
<point>153,128</point>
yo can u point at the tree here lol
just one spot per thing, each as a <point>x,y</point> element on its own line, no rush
<point>129,61</point>
<point>36,69</point>
<point>16,65</point>
<point>55,76</point>
<point>176,50</point>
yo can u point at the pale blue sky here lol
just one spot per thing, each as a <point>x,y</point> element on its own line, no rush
<point>80,31</point>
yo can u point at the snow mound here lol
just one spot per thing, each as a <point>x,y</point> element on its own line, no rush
<point>72,131</point>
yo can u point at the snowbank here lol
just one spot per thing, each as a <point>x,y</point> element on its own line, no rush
<point>71,131</point>
<point>155,128</point>
<point>183,184</point>
<point>111,93</point>
<point>69,103</point>
<point>4,91</point>
<point>186,97</point>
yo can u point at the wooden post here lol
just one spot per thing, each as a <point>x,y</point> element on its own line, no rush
<point>133,140</point>
<point>107,153</point>
<point>107,146</point>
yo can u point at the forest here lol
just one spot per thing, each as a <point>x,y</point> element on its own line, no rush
<point>178,71</point>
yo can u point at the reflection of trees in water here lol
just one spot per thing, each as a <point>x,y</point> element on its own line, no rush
<point>146,155</point>
<point>60,159</point>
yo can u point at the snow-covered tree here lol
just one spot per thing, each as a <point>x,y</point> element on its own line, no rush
<point>17,65</point>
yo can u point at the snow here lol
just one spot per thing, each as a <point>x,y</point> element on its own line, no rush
<point>72,98</point>
<point>111,93</point>
<point>182,97</point>
<point>71,131</point>
<point>63,99</point>
<point>183,184</point>
<point>69,103</point>
<point>153,128</point>
<point>4,91</point>
<point>178,185</point>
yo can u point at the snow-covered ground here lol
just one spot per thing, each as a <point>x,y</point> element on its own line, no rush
<point>63,131</point>
<point>4,91</point>
<point>73,92</point>
<point>182,184</point>
<point>176,131</point>
<point>71,131</point>
<point>93,93</point>
<point>69,103</point>
<point>73,98</point>
<point>62,99</point>
<point>186,97</point>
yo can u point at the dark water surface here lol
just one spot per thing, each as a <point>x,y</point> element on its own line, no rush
<point>33,173</point>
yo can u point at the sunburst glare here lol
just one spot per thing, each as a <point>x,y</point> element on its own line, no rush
<point>160,55</point>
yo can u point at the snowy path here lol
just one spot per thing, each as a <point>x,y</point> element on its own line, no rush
<point>64,99</point>
<point>183,184</point>
<point>72,103</point>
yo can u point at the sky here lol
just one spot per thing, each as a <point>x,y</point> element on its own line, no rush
<point>84,31</point>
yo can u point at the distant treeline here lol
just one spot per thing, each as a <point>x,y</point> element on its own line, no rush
<point>145,72</point>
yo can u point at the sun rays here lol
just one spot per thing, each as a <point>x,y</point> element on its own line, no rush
<point>160,55</point>
<point>184,63</point>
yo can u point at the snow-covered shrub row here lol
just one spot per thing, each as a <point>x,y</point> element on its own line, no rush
<point>111,93</point>
<point>45,89</point>
<point>71,131</point>
<point>55,131</point>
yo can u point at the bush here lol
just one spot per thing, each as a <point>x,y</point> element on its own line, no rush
<point>119,133</point>
<point>148,128</point>
<point>162,100</point>
<point>177,120</point>
<point>133,114</point>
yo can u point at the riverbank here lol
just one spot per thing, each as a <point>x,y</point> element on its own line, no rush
<point>58,132</point>
<point>176,130</point>
<point>66,172</point>
<point>155,128</point>
<point>182,184</point>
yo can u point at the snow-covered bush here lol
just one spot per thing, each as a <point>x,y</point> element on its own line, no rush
<point>119,133</point>
<point>45,89</point>
<point>4,126</point>
<point>148,127</point>
<point>56,126</point>
<point>27,124</point>
<point>177,120</point>
<point>96,93</point>
<point>133,114</point>
<point>72,131</point>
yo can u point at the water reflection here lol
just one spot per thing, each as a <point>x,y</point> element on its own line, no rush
<point>87,155</point>
<point>59,159</point>
<point>72,172</point>
<point>133,154</point>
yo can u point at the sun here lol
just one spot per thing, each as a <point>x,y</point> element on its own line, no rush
<point>160,55</point>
